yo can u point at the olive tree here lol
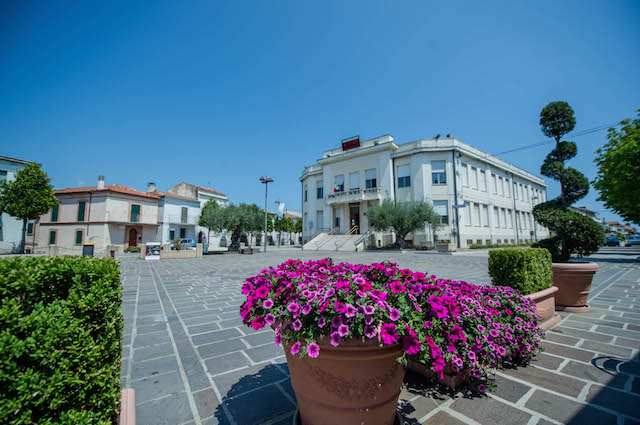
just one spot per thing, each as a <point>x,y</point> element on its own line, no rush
<point>402,218</point>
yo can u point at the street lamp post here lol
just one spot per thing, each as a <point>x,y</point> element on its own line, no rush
<point>265,181</point>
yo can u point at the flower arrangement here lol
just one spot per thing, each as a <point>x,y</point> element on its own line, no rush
<point>441,323</point>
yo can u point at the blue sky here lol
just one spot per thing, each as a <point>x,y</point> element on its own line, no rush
<point>220,93</point>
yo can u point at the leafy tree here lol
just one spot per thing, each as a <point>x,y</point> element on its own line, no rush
<point>212,217</point>
<point>28,196</point>
<point>243,218</point>
<point>403,218</point>
<point>297,226</point>
<point>573,233</point>
<point>618,175</point>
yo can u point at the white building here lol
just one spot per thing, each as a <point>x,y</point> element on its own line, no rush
<point>177,216</point>
<point>11,227</point>
<point>488,201</point>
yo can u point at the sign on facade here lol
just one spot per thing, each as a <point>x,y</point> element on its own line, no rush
<point>351,143</point>
<point>152,251</point>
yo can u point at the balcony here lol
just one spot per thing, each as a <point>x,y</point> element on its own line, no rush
<point>354,195</point>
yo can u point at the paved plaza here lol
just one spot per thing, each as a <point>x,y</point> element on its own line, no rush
<point>191,360</point>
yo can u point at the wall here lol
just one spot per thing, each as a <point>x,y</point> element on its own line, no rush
<point>11,229</point>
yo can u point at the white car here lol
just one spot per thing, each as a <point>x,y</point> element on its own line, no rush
<point>633,240</point>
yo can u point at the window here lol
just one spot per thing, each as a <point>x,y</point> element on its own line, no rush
<point>183,215</point>
<point>172,234</point>
<point>467,214</point>
<point>339,187</point>
<point>135,213</point>
<point>29,228</point>
<point>442,208</point>
<point>54,213</point>
<point>530,221</point>
<point>496,217</point>
<point>3,175</point>
<point>438,172</point>
<point>483,181</point>
<point>522,192</point>
<point>354,180</point>
<point>81,207</point>
<point>500,186</point>
<point>403,176</point>
<point>320,190</point>
<point>305,193</point>
<point>494,181</point>
<point>507,191</point>
<point>465,175</point>
<point>183,233</point>
<point>476,215</point>
<point>485,215</point>
<point>504,218</point>
<point>526,193</point>
<point>78,237</point>
<point>370,179</point>
<point>52,237</point>
<point>320,219</point>
<point>515,191</point>
<point>474,177</point>
<point>510,220</point>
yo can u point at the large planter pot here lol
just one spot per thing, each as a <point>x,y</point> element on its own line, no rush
<point>546,307</point>
<point>127,407</point>
<point>445,247</point>
<point>451,379</point>
<point>352,384</point>
<point>574,284</point>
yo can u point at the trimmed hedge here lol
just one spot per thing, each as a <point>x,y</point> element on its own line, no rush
<point>527,270</point>
<point>60,340</point>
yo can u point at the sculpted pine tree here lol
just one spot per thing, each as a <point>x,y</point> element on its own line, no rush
<point>573,233</point>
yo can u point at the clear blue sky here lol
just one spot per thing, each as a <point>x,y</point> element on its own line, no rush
<point>220,93</point>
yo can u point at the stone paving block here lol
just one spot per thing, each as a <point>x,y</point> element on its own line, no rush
<point>146,353</point>
<point>443,418</point>
<point>219,348</point>
<point>150,320</point>
<point>547,361</point>
<point>171,410</point>
<point>561,339</point>
<point>196,375</point>
<point>577,324</point>
<point>548,380</point>
<point>206,401</point>
<point>600,347</point>
<point>626,342</point>
<point>240,381</point>
<point>262,338</point>
<point>215,336</point>
<point>543,421</point>
<point>230,323</point>
<point>154,338</point>
<point>582,334</point>
<point>568,352</point>
<point>226,363</point>
<point>153,367</point>
<point>151,328</point>
<point>200,320</point>
<point>267,402</point>
<point>509,389</point>
<point>568,411</point>
<point>489,411</point>
<point>200,313</point>
<point>157,386</point>
<point>205,327</point>
<point>592,373</point>
<point>619,332</point>
<point>264,352</point>
<point>620,401</point>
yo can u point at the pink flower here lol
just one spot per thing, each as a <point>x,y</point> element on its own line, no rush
<point>293,307</point>
<point>343,330</point>
<point>411,344</point>
<point>313,350</point>
<point>321,322</point>
<point>370,331</point>
<point>350,310</point>
<point>482,388</point>
<point>394,314</point>
<point>278,339</point>
<point>388,333</point>
<point>246,288</point>
<point>258,323</point>
<point>270,319</point>
<point>335,339</point>
<point>268,303</point>
<point>262,291</point>
<point>397,287</point>
<point>297,325</point>
<point>369,309</point>
<point>428,324</point>
<point>295,348</point>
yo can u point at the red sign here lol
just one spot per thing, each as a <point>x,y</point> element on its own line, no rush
<point>350,143</point>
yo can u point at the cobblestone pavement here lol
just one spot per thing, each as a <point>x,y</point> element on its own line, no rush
<point>191,361</point>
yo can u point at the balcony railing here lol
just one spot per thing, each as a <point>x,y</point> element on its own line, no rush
<point>354,195</point>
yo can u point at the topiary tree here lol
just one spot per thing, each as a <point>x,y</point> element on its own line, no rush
<point>573,233</point>
<point>403,218</point>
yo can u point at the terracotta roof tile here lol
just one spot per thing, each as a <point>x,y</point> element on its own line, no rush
<point>206,189</point>
<point>173,195</point>
<point>117,188</point>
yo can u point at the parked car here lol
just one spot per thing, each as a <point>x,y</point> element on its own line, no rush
<point>611,241</point>
<point>633,240</point>
<point>186,243</point>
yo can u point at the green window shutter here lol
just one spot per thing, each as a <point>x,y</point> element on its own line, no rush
<point>81,208</point>
<point>78,237</point>
<point>135,213</point>
<point>54,213</point>
<point>29,228</point>
<point>52,237</point>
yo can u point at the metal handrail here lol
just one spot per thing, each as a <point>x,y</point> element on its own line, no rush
<point>316,233</point>
<point>322,239</point>
<point>363,238</point>
<point>344,238</point>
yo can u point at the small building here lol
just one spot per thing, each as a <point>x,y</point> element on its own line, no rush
<point>178,216</point>
<point>112,217</point>
<point>11,227</point>
<point>481,199</point>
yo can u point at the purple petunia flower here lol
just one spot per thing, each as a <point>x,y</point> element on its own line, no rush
<point>313,350</point>
<point>482,388</point>
<point>336,321</point>
<point>297,324</point>
<point>481,328</point>
<point>494,333</point>
<point>368,320</point>
<point>335,339</point>
<point>350,310</point>
<point>270,319</point>
<point>293,307</point>
<point>268,303</point>
<point>306,309</point>
<point>262,291</point>
<point>278,339</point>
<point>370,331</point>
<point>388,333</point>
<point>295,348</point>
<point>321,322</point>
<point>343,330</point>
<point>394,314</point>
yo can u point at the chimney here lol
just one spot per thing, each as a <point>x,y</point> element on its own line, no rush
<point>100,182</point>
<point>151,187</point>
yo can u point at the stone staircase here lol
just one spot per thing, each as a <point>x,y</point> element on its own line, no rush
<point>325,242</point>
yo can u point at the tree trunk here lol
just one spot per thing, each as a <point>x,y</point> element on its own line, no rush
<point>24,237</point>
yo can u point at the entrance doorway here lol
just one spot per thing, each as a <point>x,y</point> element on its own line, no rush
<point>133,237</point>
<point>354,217</point>
<point>200,234</point>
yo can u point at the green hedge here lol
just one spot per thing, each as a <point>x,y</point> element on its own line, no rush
<point>527,270</point>
<point>60,340</point>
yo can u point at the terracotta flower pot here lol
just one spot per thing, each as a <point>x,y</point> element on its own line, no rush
<point>574,284</point>
<point>451,378</point>
<point>127,407</point>
<point>352,384</point>
<point>546,306</point>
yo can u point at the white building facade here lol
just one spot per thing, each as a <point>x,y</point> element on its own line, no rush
<point>480,198</point>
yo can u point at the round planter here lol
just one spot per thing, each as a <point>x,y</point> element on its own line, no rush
<point>298,421</point>
<point>127,407</point>
<point>574,284</point>
<point>356,383</point>
<point>546,307</point>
